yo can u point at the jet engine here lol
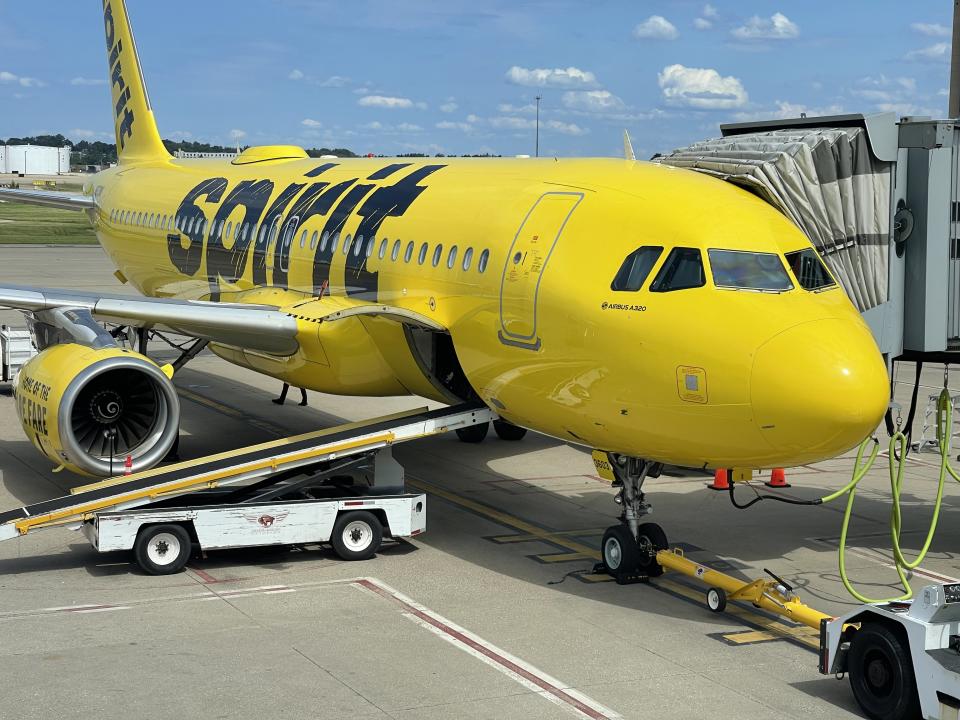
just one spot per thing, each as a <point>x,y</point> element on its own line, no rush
<point>88,409</point>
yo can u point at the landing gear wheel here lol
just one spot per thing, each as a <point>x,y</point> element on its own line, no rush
<point>619,551</point>
<point>651,539</point>
<point>356,535</point>
<point>716,600</point>
<point>881,674</point>
<point>508,431</point>
<point>474,433</point>
<point>162,549</point>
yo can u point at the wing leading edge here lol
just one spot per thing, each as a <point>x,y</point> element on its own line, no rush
<point>48,198</point>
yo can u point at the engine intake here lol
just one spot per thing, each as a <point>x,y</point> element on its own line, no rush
<point>89,409</point>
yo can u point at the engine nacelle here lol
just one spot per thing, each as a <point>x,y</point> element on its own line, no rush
<point>82,406</point>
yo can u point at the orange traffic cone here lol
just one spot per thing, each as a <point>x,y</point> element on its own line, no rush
<point>721,480</point>
<point>778,479</point>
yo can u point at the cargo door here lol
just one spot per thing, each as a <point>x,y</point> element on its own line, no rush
<point>525,264</point>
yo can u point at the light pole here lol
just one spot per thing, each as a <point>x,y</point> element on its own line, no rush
<point>537,146</point>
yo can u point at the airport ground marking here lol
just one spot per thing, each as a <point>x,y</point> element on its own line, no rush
<point>797,634</point>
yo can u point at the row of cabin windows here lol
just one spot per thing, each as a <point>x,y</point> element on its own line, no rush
<point>733,269</point>
<point>240,232</point>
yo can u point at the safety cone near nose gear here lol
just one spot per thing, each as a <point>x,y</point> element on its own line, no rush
<point>778,479</point>
<point>721,480</point>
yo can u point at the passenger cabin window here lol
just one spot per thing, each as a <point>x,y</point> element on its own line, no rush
<point>467,258</point>
<point>452,258</point>
<point>437,254</point>
<point>809,269</point>
<point>482,262</point>
<point>423,254</point>
<point>632,274</point>
<point>395,251</point>
<point>408,253</point>
<point>748,271</point>
<point>383,248</point>
<point>682,270</point>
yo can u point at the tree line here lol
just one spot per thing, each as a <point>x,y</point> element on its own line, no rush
<point>96,152</point>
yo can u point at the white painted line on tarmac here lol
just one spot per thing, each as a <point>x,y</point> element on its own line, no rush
<point>522,672</point>
<point>881,559</point>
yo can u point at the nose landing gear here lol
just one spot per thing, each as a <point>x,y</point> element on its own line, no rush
<point>629,550</point>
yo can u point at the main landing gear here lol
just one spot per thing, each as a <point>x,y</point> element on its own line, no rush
<point>504,430</point>
<point>629,550</point>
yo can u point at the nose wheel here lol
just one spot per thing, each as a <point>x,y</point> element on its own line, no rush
<point>629,559</point>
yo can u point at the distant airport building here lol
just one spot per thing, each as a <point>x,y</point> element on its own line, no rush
<point>34,159</point>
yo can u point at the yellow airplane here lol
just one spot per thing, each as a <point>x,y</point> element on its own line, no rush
<point>652,313</point>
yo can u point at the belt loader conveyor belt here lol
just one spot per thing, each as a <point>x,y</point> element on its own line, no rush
<point>236,466</point>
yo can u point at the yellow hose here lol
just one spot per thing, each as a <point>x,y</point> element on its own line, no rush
<point>897,460</point>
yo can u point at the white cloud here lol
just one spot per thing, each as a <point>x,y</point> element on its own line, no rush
<point>885,89</point>
<point>515,123</point>
<point>777,27</point>
<point>409,127</point>
<point>656,27</point>
<point>238,134</point>
<point>385,101</point>
<point>449,125</point>
<point>702,23</point>
<point>296,74</point>
<point>709,11</point>
<point>449,106</point>
<point>88,81</point>
<point>361,91</point>
<point>701,88</point>
<point>786,109</point>
<point>335,81</point>
<point>514,109</point>
<point>556,77</point>
<point>90,134</point>
<point>311,123</point>
<point>931,29</point>
<point>594,101</point>
<point>935,53</point>
<point>9,77</point>
<point>471,118</point>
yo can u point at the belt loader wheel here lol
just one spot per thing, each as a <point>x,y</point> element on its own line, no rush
<point>881,674</point>
<point>162,549</point>
<point>356,535</point>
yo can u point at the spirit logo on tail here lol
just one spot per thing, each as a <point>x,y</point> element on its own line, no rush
<point>123,115</point>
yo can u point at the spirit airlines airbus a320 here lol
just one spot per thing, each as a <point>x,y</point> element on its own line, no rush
<point>652,313</point>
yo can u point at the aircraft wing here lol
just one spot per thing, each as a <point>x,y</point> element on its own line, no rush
<point>257,327</point>
<point>266,328</point>
<point>48,198</point>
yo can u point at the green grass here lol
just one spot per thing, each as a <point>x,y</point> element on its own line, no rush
<point>33,224</point>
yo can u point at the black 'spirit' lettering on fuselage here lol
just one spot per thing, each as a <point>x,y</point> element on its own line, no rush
<point>277,229</point>
<point>124,117</point>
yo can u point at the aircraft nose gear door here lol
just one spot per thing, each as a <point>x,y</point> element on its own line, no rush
<point>523,269</point>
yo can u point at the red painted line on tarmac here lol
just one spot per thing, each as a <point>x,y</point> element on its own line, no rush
<point>206,577</point>
<point>486,652</point>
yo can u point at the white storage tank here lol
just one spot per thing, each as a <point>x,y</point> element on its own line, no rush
<point>3,159</point>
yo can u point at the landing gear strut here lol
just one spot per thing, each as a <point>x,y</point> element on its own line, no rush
<point>629,550</point>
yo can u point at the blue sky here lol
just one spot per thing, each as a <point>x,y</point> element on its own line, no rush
<point>460,76</point>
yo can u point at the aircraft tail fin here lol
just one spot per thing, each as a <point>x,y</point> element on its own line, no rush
<point>138,139</point>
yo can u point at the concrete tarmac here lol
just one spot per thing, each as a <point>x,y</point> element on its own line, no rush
<point>492,613</point>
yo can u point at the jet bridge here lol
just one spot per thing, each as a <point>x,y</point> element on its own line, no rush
<point>879,199</point>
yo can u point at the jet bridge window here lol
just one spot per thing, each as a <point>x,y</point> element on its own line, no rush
<point>748,271</point>
<point>682,270</point>
<point>634,271</point>
<point>809,269</point>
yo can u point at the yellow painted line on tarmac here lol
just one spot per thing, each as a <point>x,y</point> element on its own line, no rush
<point>806,636</point>
<point>750,637</point>
<point>526,537</point>
<point>563,557</point>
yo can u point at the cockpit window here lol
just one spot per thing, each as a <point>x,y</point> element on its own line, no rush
<point>683,269</point>
<point>635,268</point>
<point>809,269</point>
<point>749,271</point>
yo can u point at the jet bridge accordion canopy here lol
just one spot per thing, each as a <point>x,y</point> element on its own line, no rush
<point>827,181</point>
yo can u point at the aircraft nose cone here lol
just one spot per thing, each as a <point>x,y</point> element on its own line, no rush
<point>818,389</point>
